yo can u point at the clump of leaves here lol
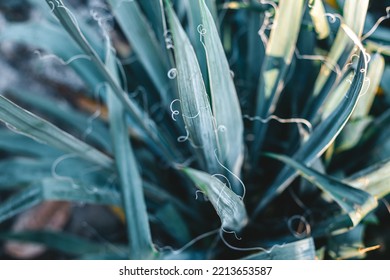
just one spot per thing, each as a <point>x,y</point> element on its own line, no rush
<point>220,129</point>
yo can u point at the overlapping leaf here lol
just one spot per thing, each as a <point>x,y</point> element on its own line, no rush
<point>226,107</point>
<point>299,250</point>
<point>37,128</point>
<point>355,202</point>
<point>279,53</point>
<point>140,240</point>
<point>322,136</point>
<point>144,42</point>
<point>230,207</point>
<point>57,189</point>
<point>195,106</point>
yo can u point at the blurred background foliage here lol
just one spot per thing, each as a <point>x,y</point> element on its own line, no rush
<point>303,214</point>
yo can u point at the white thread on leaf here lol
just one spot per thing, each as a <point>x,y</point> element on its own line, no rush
<point>197,194</point>
<point>55,165</point>
<point>182,139</point>
<point>234,175</point>
<point>332,66</point>
<point>192,117</point>
<point>333,17</point>
<point>174,112</point>
<point>260,249</point>
<point>223,176</point>
<point>90,121</point>
<point>201,30</point>
<point>60,60</point>
<point>231,232</point>
<point>267,22</point>
<point>189,244</point>
<point>376,25</point>
<point>281,120</point>
<point>172,73</point>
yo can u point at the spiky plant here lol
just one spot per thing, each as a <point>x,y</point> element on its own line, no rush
<point>195,119</point>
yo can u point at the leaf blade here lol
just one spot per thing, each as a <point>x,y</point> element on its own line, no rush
<point>225,103</point>
<point>229,207</point>
<point>299,250</point>
<point>355,202</point>
<point>321,138</point>
<point>37,128</point>
<point>194,101</point>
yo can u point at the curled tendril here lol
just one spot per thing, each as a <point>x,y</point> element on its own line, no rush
<point>182,139</point>
<point>60,60</point>
<point>55,165</point>
<point>302,222</point>
<point>281,120</point>
<point>168,40</point>
<point>222,128</point>
<point>329,63</point>
<point>333,17</point>
<point>174,112</point>
<point>201,30</point>
<point>234,175</point>
<point>189,244</point>
<point>192,117</point>
<point>260,249</point>
<point>224,177</point>
<point>376,25</point>
<point>172,73</point>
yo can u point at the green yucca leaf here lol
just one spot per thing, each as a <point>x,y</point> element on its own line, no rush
<point>17,144</point>
<point>374,75</point>
<point>69,23</point>
<point>32,169</point>
<point>355,202</point>
<point>65,242</point>
<point>94,130</point>
<point>317,13</point>
<point>35,169</point>
<point>354,129</point>
<point>347,245</point>
<point>140,240</point>
<point>195,106</point>
<point>279,53</point>
<point>154,11</point>
<point>255,50</point>
<point>321,137</point>
<point>143,40</point>
<point>212,6</point>
<point>226,107</point>
<point>354,16</point>
<point>336,96</point>
<point>84,24</point>
<point>174,224</point>
<point>229,207</point>
<point>351,134</point>
<point>37,128</point>
<point>299,250</point>
<point>342,47</point>
<point>194,29</point>
<point>60,190</point>
<point>51,38</point>
<point>374,180</point>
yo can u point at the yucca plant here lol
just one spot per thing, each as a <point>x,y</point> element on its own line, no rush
<point>213,129</point>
